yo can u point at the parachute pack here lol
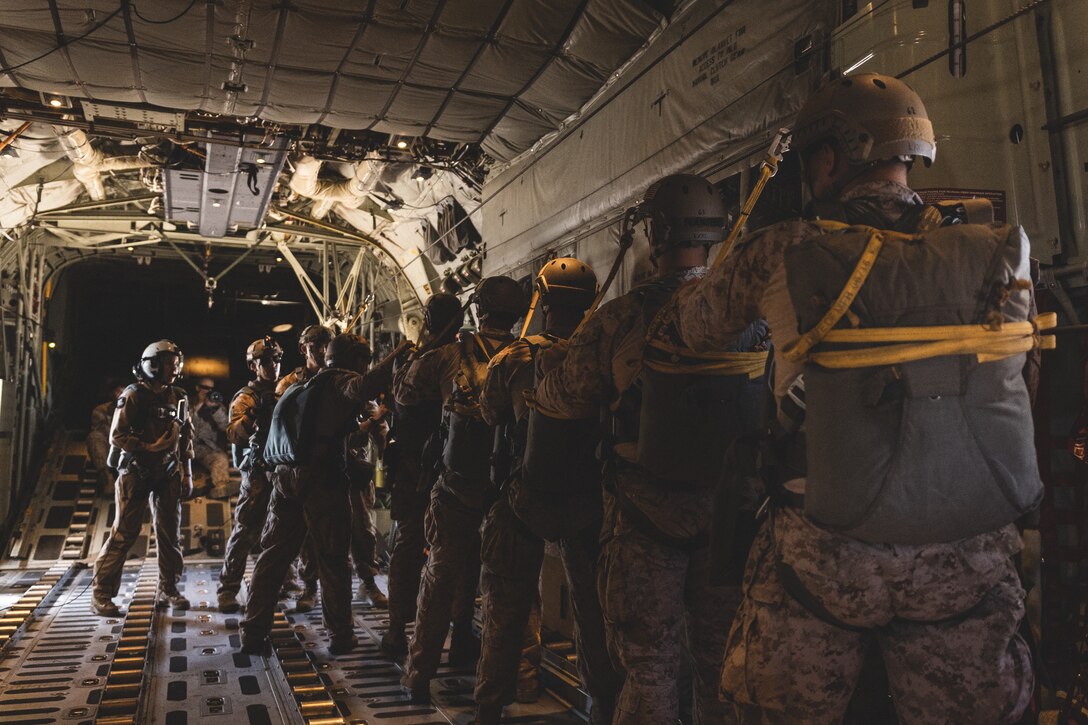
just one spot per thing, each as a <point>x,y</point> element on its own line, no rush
<point>918,423</point>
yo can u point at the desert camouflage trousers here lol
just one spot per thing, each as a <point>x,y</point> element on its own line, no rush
<point>310,505</point>
<point>943,616</point>
<point>512,557</point>
<point>409,544</point>
<point>659,607</point>
<point>245,536</point>
<point>447,589</point>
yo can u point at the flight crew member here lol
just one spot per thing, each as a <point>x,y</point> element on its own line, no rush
<point>209,437</point>
<point>98,438</point>
<point>311,343</point>
<point>153,436</point>
<point>311,499</point>
<point>250,416</point>
<point>364,535</point>
<point>413,476</point>
<point>454,373</point>
<point>943,615</point>
<point>660,606</point>
<point>512,550</point>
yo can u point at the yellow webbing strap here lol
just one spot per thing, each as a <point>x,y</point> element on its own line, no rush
<point>689,362</point>
<point>798,349</point>
<point>918,343</point>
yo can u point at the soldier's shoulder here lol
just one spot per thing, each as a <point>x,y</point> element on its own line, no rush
<point>517,352</point>
<point>131,392</point>
<point>797,228</point>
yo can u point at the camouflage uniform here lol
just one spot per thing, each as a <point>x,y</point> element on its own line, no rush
<point>250,412</point>
<point>944,616</point>
<point>364,535</point>
<point>98,441</point>
<point>141,417</point>
<point>412,479</point>
<point>654,576</point>
<point>312,501</point>
<point>512,557</point>
<point>453,518</point>
<point>209,425</point>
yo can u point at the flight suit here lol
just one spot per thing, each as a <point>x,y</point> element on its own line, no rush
<point>141,417</point>
<point>312,501</point>
<point>209,425</point>
<point>98,442</point>
<point>944,616</point>
<point>654,573</point>
<point>456,510</point>
<point>250,416</point>
<point>512,556</point>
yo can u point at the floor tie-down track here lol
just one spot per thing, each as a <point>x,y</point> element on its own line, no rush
<point>61,664</point>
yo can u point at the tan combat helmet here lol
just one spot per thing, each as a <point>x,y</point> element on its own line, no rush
<point>686,211</point>
<point>500,295</point>
<point>567,282</point>
<point>872,117</point>
<point>266,346</point>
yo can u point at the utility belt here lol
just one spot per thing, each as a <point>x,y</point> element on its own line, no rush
<point>639,520</point>
<point>797,590</point>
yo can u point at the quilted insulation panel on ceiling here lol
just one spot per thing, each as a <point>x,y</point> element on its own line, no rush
<point>501,73</point>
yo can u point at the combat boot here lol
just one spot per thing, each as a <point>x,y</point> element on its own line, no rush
<point>368,589</point>
<point>228,602</point>
<point>488,714</point>
<point>464,647</point>
<point>253,644</point>
<point>394,642</point>
<point>175,599</point>
<point>342,645</point>
<point>528,690</point>
<point>306,601</point>
<point>419,693</point>
<point>104,606</point>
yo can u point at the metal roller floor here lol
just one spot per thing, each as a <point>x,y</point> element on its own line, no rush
<point>60,663</point>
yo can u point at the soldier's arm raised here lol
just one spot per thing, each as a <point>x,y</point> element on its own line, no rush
<point>243,419</point>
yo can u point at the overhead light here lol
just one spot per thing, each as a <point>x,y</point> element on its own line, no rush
<point>131,248</point>
<point>285,327</point>
<point>52,345</point>
<point>402,144</point>
<point>279,259</point>
<point>261,160</point>
<point>217,204</point>
<point>423,173</point>
<point>265,303</point>
<point>55,100</point>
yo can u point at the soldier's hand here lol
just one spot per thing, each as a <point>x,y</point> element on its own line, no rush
<point>186,485</point>
<point>553,357</point>
<point>164,442</point>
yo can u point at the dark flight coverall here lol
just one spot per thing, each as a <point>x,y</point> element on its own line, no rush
<point>512,557</point>
<point>250,415</point>
<point>453,519</point>
<point>141,417</point>
<point>307,568</point>
<point>313,500</point>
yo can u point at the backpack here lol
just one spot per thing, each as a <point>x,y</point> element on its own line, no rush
<point>925,450</point>
<point>293,433</point>
<point>466,449</point>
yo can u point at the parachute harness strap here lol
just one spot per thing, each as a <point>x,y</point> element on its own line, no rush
<point>987,342</point>
<point>683,361</point>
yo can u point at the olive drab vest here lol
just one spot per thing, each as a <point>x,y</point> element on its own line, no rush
<point>685,408</point>
<point>933,449</point>
<point>466,450</point>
